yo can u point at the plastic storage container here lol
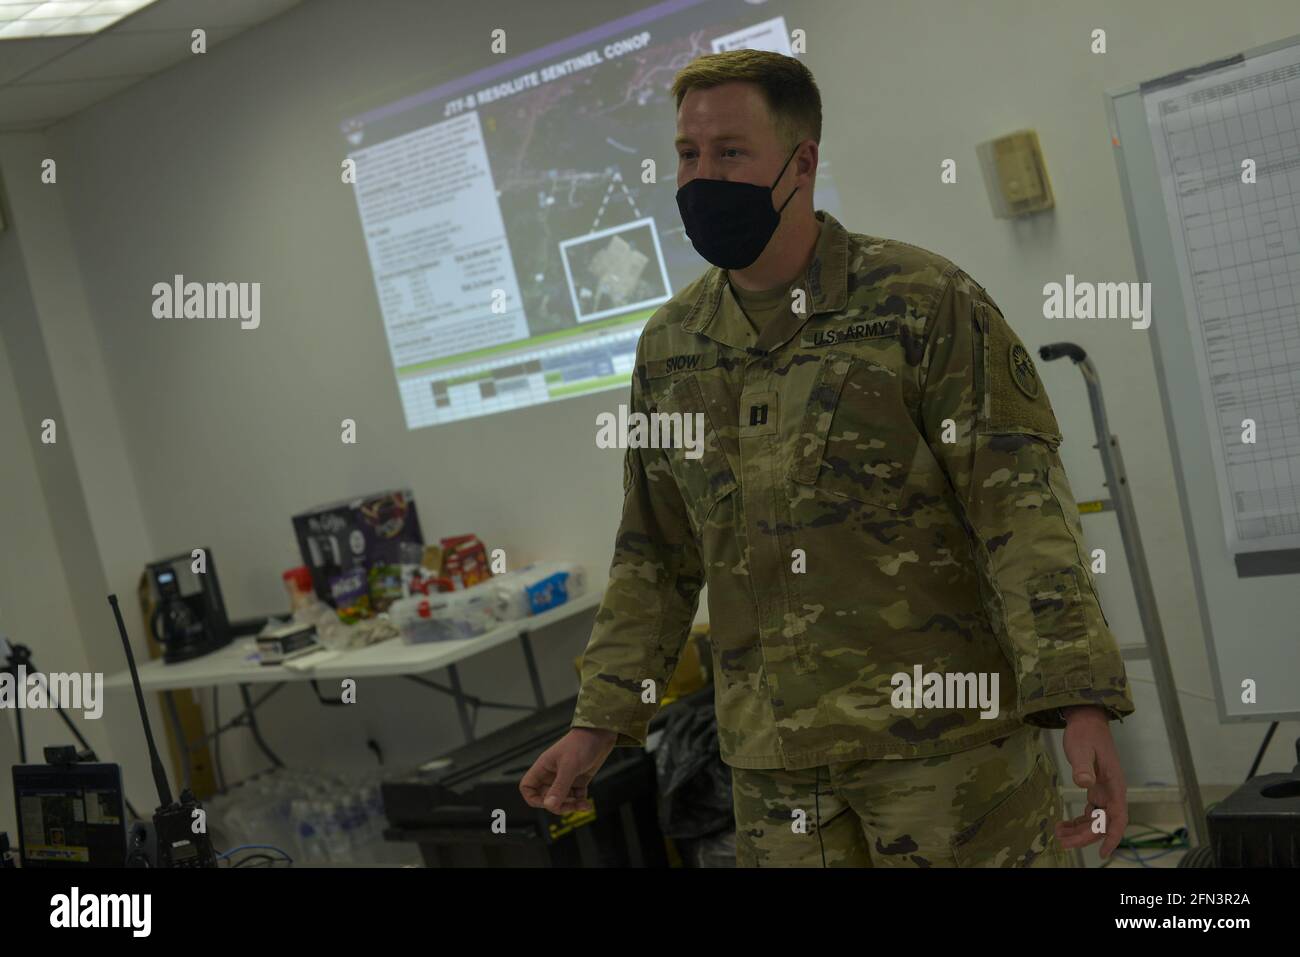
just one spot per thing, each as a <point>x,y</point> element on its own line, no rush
<point>446,616</point>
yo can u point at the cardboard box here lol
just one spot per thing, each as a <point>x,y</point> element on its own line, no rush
<point>358,533</point>
<point>465,560</point>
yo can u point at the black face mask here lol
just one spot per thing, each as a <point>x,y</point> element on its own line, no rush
<point>730,224</point>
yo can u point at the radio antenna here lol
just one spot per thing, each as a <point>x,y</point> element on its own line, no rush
<point>159,775</point>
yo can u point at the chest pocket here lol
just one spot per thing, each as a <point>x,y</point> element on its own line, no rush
<point>857,440</point>
<point>697,460</point>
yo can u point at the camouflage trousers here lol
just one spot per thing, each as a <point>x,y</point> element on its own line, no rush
<point>990,806</point>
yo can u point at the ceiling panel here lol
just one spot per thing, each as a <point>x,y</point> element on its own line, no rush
<point>122,54</point>
<point>46,79</point>
<point>19,56</point>
<point>21,105</point>
<point>188,14</point>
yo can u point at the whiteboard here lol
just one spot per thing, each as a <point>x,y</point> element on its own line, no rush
<point>1223,260</point>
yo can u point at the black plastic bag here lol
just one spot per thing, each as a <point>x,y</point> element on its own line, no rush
<point>694,782</point>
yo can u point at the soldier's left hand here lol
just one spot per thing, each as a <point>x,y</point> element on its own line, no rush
<point>1091,752</point>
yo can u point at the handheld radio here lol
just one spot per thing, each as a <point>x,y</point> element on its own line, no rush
<point>177,843</point>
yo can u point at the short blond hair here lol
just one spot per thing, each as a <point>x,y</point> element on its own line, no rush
<point>786,84</point>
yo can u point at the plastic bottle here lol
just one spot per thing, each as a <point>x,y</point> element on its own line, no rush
<point>297,582</point>
<point>309,838</point>
<point>335,838</point>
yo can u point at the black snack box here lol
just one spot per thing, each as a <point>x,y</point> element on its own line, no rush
<point>355,533</point>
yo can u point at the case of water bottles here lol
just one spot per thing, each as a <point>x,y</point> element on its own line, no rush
<point>317,819</point>
<point>539,587</point>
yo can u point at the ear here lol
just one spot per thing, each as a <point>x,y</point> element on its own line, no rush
<point>806,159</point>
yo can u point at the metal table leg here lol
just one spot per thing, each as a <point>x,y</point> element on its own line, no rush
<point>253,727</point>
<point>533,676</point>
<point>466,725</point>
<point>181,739</point>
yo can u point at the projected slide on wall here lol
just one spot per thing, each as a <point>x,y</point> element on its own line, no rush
<point>516,250</point>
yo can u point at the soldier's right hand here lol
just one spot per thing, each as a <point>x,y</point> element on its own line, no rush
<point>559,777</point>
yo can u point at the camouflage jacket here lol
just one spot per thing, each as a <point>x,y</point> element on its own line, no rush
<point>881,491</point>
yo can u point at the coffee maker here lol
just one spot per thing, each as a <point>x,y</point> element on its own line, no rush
<point>190,617</point>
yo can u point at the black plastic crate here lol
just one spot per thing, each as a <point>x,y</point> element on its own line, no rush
<point>448,811</point>
<point>1258,825</point>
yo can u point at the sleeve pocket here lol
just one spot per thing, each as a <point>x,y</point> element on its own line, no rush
<point>1015,400</point>
<point>1064,645</point>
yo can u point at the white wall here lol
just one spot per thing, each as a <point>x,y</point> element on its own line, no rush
<point>227,168</point>
<point>52,587</point>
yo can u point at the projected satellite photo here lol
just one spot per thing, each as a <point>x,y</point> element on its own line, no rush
<point>522,221</point>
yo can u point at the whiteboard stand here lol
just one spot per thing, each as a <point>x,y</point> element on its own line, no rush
<point>1154,650</point>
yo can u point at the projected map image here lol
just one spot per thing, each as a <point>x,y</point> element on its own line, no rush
<point>613,270</point>
<point>522,222</point>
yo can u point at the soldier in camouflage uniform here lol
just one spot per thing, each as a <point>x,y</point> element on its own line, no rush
<point>879,491</point>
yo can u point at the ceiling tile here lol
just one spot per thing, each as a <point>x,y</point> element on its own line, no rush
<point>44,79</point>
<point>27,126</point>
<point>19,56</point>
<point>118,54</point>
<point>188,14</point>
<point>23,104</point>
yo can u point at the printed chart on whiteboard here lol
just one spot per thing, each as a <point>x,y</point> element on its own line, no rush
<point>1228,150</point>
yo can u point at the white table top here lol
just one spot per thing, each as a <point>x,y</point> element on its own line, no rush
<point>237,662</point>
